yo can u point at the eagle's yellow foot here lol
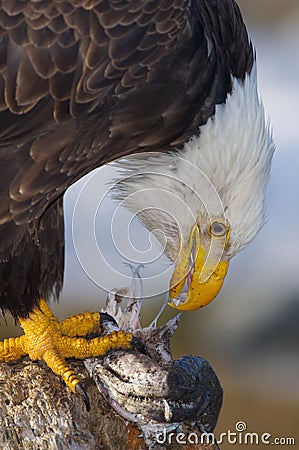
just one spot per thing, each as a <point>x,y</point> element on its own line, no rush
<point>47,339</point>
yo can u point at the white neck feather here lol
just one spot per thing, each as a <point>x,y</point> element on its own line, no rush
<point>221,172</point>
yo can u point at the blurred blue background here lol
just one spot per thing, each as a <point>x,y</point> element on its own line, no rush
<point>250,333</point>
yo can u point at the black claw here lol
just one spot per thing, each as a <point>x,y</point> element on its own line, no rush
<point>105,326</point>
<point>104,318</point>
<point>81,391</point>
<point>139,345</point>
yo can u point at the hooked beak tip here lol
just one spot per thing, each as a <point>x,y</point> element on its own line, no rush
<point>199,293</point>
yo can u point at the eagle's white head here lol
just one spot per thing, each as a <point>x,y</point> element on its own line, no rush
<point>205,202</point>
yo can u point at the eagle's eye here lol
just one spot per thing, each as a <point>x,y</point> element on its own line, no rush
<point>218,228</point>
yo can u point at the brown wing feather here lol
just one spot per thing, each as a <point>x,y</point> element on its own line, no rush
<point>64,61</point>
<point>83,46</point>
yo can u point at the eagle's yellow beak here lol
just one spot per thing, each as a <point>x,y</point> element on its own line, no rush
<point>204,278</point>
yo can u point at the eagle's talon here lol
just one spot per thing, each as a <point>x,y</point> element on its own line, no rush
<point>106,318</point>
<point>79,389</point>
<point>51,341</point>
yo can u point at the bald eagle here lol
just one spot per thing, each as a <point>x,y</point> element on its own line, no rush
<point>86,82</point>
